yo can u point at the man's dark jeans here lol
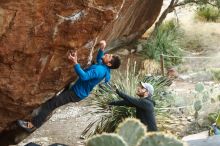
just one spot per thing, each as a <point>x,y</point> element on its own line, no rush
<point>63,98</point>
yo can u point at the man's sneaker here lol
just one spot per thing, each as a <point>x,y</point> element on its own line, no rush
<point>24,124</point>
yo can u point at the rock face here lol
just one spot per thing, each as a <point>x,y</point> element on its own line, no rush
<point>35,36</point>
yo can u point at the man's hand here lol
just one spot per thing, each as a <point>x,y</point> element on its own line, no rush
<point>73,57</point>
<point>102,44</point>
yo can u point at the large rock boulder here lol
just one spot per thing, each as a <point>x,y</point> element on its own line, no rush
<point>35,36</point>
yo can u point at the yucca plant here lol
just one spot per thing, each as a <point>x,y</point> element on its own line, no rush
<point>166,40</point>
<point>127,82</point>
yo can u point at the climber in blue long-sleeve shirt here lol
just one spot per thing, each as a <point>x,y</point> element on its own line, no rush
<point>87,80</point>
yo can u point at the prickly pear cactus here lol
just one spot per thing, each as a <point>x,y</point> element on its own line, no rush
<point>197,105</point>
<point>160,139</point>
<point>199,87</point>
<point>133,133</point>
<point>131,130</point>
<point>106,140</point>
<point>205,96</point>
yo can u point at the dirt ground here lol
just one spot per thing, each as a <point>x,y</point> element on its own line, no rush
<point>64,127</point>
<point>67,123</point>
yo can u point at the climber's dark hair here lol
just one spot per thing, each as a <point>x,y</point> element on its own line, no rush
<point>115,62</point>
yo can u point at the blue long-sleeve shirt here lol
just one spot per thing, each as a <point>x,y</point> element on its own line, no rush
<point>90,77</point>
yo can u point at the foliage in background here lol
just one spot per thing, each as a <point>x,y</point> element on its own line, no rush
<point>214,3</point>
<point>158,40</point>
<point>208,13</point>
<point>205,98</point>
<point>166,40</point>
<point>181,3</point>
<point>192,43</point>
<point>216,73</point>
<point>149,66</point>
<point>127,82</point>
<point>133,133</point>
<point>213,117</point>
<point>178,107</point>
<point>215,128</point>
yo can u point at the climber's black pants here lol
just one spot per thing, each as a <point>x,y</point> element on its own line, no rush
<point>63,98</point>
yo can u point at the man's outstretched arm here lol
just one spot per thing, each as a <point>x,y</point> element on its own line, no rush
<point>91,74</point>
<point>100,52</point>
<point>80,72</point>
<point>120,103</point>
<point>140,103</point>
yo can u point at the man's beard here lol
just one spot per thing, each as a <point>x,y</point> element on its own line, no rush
<point>140,94</point>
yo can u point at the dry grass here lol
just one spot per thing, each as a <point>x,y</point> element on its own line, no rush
<point>149,66</point>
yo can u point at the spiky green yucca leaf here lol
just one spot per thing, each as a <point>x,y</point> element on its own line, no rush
<point>218,120</point>
<point>160,139</point>
<point>106,140</point>
<point>131,130</point>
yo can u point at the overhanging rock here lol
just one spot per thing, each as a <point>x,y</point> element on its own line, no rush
<point>35,36</point>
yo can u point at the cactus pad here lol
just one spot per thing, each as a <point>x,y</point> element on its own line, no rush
<point>160,139</point>
<point>131,130</point>
<point>106,140</point>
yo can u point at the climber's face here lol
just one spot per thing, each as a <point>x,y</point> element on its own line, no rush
<point>107,59</point>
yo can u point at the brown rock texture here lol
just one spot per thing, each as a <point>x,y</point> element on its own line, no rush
<point>35,36</point>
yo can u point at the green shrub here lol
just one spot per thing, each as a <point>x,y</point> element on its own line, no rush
<point>216,73</point>
<point>212,117</point>
<point>166,40</point>
<point>208,13</point>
